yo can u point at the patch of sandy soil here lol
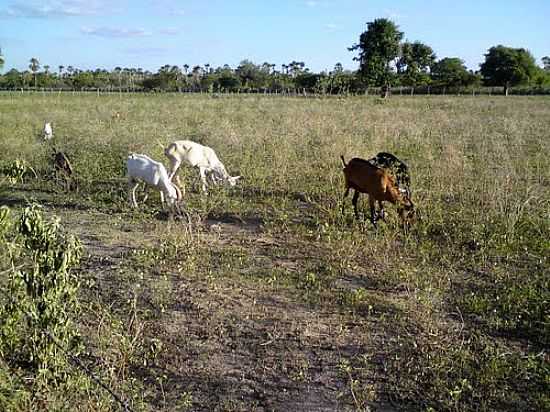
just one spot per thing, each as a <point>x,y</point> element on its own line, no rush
<point>233,344</point>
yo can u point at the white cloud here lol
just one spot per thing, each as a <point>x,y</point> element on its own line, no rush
<point>114,32</point>
<point>170,31</point>
<point>394,15</point>
<point>177,12</point>
<point>167,7</point>
<point>59,8</point>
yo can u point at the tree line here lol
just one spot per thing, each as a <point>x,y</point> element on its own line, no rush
<point>385,62</point>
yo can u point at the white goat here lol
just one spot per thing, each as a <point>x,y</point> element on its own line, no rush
<point>142,168</point>
<point>47,132</point>
<point>199,156</point>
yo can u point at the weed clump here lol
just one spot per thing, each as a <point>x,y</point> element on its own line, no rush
<point>39,296</point>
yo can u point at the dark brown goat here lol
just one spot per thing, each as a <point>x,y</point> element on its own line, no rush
<point>364,177</point>
<point>62,166</point>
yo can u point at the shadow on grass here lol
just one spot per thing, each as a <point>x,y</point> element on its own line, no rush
<point>255,192</point>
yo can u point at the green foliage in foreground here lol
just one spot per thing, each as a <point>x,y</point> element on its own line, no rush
<point>39,299</point>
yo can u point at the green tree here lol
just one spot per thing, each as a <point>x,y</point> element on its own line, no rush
<point>227,80</point>
<point>251,75</point>
<point>12,79</point>
<point>378,47</point>
<point>507,67</point>
<point>295,68</point>
<point>34,66</point>
<point>451,72</point>
<point>415,62</point>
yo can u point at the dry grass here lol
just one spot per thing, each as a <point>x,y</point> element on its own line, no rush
<point>273,300</point>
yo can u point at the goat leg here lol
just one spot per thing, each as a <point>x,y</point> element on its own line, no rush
<point>344,199</point>
<point>382,213</point>
<point>354,201</point>
<point>202,172</point>
<point>373,214</point>
<point>132,186</point>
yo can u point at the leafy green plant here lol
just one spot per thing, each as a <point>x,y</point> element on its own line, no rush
<point>37,316</point>
<point>17,170</point>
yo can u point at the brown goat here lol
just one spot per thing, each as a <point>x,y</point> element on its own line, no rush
<point>364,177</point>
<point>62,166</point>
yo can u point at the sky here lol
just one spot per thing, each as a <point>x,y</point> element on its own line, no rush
<point>147,34</point>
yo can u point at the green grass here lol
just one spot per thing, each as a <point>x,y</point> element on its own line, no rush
<point>273,299</point>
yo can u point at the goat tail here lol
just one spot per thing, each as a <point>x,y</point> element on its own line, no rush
<point>343,161</point>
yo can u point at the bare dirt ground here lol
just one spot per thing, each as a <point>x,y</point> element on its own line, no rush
<point>237,341</point>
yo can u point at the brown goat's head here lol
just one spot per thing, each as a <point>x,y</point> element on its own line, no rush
<point>406,210</point>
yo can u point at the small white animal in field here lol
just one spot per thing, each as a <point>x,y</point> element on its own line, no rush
<point>47,131</point>
<point>141,167</point>
<point>202,157</point>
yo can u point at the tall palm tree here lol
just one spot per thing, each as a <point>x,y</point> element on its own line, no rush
<point>176,71</point>
<point>34,66</point>
<point>284,68</point>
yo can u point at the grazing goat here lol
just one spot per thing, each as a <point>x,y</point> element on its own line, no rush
<point>62,166</point>
<point>142,168</point>
<point>364,177</point>
<point>197,155</point>
<point>399,169</point>
<point>47,132</point>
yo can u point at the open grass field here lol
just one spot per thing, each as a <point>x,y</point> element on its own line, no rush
<point>272,300</point>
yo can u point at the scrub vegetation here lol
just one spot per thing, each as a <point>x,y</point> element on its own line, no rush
<point>271,299</point>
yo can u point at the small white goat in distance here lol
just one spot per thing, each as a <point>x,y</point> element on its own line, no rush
<point>47,132</point>
<point>142,168</point>
<point>197,155</point>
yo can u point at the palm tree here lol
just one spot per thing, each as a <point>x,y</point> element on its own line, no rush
<point>284,68</point>
<point>34,66</point>
<point>175,71</point>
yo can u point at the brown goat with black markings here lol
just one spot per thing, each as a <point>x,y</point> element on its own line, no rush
<point>63,168</point>
<point>380,185</point>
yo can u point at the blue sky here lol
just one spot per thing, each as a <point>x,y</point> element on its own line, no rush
<point>90,34</point>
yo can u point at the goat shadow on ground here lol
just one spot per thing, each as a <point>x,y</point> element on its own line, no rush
<point>255,192</point>
<point>24,202</point>
<point>249,223</point>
